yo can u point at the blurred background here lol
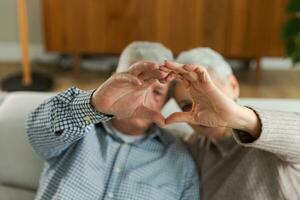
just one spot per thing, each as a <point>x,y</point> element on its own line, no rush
<point>77,42</point>
<point>51,45</point>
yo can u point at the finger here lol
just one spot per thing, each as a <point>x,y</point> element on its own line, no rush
<point>148,74</point>
<point>180,69</point>
<point>149,82</point>
<point>186,83</point>
<point>127,78</point>
<point>180,117</point>
<point>155,116</point>
<point>190,76</point>
<point>190,67</point>
<point>180,73</point>
<point>164,69</point>
<point>143,66</point>
<point>203,75</point>
<point>187,72</point>
<point>196,71</point>
<point>200,71</point>
<point>173,65</point>
<point>171,76</point>
<point>153,73</point>
<point>163,81</point>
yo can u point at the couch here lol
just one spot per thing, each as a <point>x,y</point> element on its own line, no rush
<point>20,167</point>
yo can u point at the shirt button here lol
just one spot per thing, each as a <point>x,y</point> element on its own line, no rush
<point>110,195</point>
<point>87,119</point>
<point>59,132</point>
<point>118,170</point>
<point>125,145</point>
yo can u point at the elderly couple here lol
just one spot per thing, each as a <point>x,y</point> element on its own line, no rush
<point>108,143</point>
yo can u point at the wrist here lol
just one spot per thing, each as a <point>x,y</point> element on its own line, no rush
<point>84,112</point>
<point>247,120</point>
<point>94,102</point>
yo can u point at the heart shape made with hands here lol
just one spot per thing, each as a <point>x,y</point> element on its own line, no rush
<point>116,96</point>
<point>211,107</point>
<point>125,94</point>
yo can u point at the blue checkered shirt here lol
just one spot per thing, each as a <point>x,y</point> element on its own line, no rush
<point>85,161</point>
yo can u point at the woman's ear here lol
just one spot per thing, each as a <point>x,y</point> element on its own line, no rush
<point>234,84</point>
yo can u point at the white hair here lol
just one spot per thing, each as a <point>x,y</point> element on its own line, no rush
<point>147,51</point>
<point>207,58</point>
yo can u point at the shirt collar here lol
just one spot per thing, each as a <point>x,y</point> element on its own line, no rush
<point>153,133</point>
<point>157,133</point>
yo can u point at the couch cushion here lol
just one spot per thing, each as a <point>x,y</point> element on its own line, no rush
<point>289,105</point>
<point>10,193</point>
<point>2,97</point>
<point>19,165</point>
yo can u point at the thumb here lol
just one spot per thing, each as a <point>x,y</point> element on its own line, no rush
<point>180,117</point>
<point>155,116</point>
<point>127,78</point>
<point>172,65</point>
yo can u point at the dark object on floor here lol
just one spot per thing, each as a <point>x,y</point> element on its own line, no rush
<point>40,82</point>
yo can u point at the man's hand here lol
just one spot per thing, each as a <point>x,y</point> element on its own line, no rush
<point>211,107</point>
<point>123,94</point>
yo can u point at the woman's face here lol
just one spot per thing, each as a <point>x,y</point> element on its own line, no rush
<point>185,102</point>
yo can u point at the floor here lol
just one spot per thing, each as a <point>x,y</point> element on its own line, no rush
<point>273,84</point>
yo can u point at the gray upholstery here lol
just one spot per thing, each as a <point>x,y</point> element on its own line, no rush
<point>2,97</point>
<point>11,193</point>
<point>20,167</point>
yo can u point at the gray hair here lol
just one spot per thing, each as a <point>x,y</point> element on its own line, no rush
<point>147,51</point>
<point>207,58</point>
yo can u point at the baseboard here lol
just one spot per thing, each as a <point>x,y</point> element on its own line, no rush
<point>276,63</point>
<point>11,51</point>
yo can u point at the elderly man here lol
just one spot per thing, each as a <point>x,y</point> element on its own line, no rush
<point>242,153</point>
<point>104,145</point>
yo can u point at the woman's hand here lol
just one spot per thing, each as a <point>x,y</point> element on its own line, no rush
<point>211,107</point>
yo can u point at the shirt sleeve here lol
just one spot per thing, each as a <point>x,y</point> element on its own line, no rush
<point>60,121</point>
<point>280,134</point>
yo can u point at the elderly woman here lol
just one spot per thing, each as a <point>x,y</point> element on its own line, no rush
<point>242,153</point>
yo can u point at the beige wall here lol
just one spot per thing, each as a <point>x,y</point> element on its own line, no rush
<point>9,21</point>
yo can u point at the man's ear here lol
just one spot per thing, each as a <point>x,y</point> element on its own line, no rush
<point>234,84</point>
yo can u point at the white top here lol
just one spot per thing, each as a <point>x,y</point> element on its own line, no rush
<point>125,137</point>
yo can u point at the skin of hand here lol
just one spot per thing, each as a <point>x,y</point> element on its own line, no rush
<point>211,107</point>
<point>124,94</point>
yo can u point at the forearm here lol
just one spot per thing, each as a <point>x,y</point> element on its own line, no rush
<point>280,134</point>
<point>60,121</point>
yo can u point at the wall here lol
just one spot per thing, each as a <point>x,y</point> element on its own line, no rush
<point>9,35</point>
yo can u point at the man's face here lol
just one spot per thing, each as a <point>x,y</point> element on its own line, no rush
<point>184,101</point>
<point>155,99</point>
